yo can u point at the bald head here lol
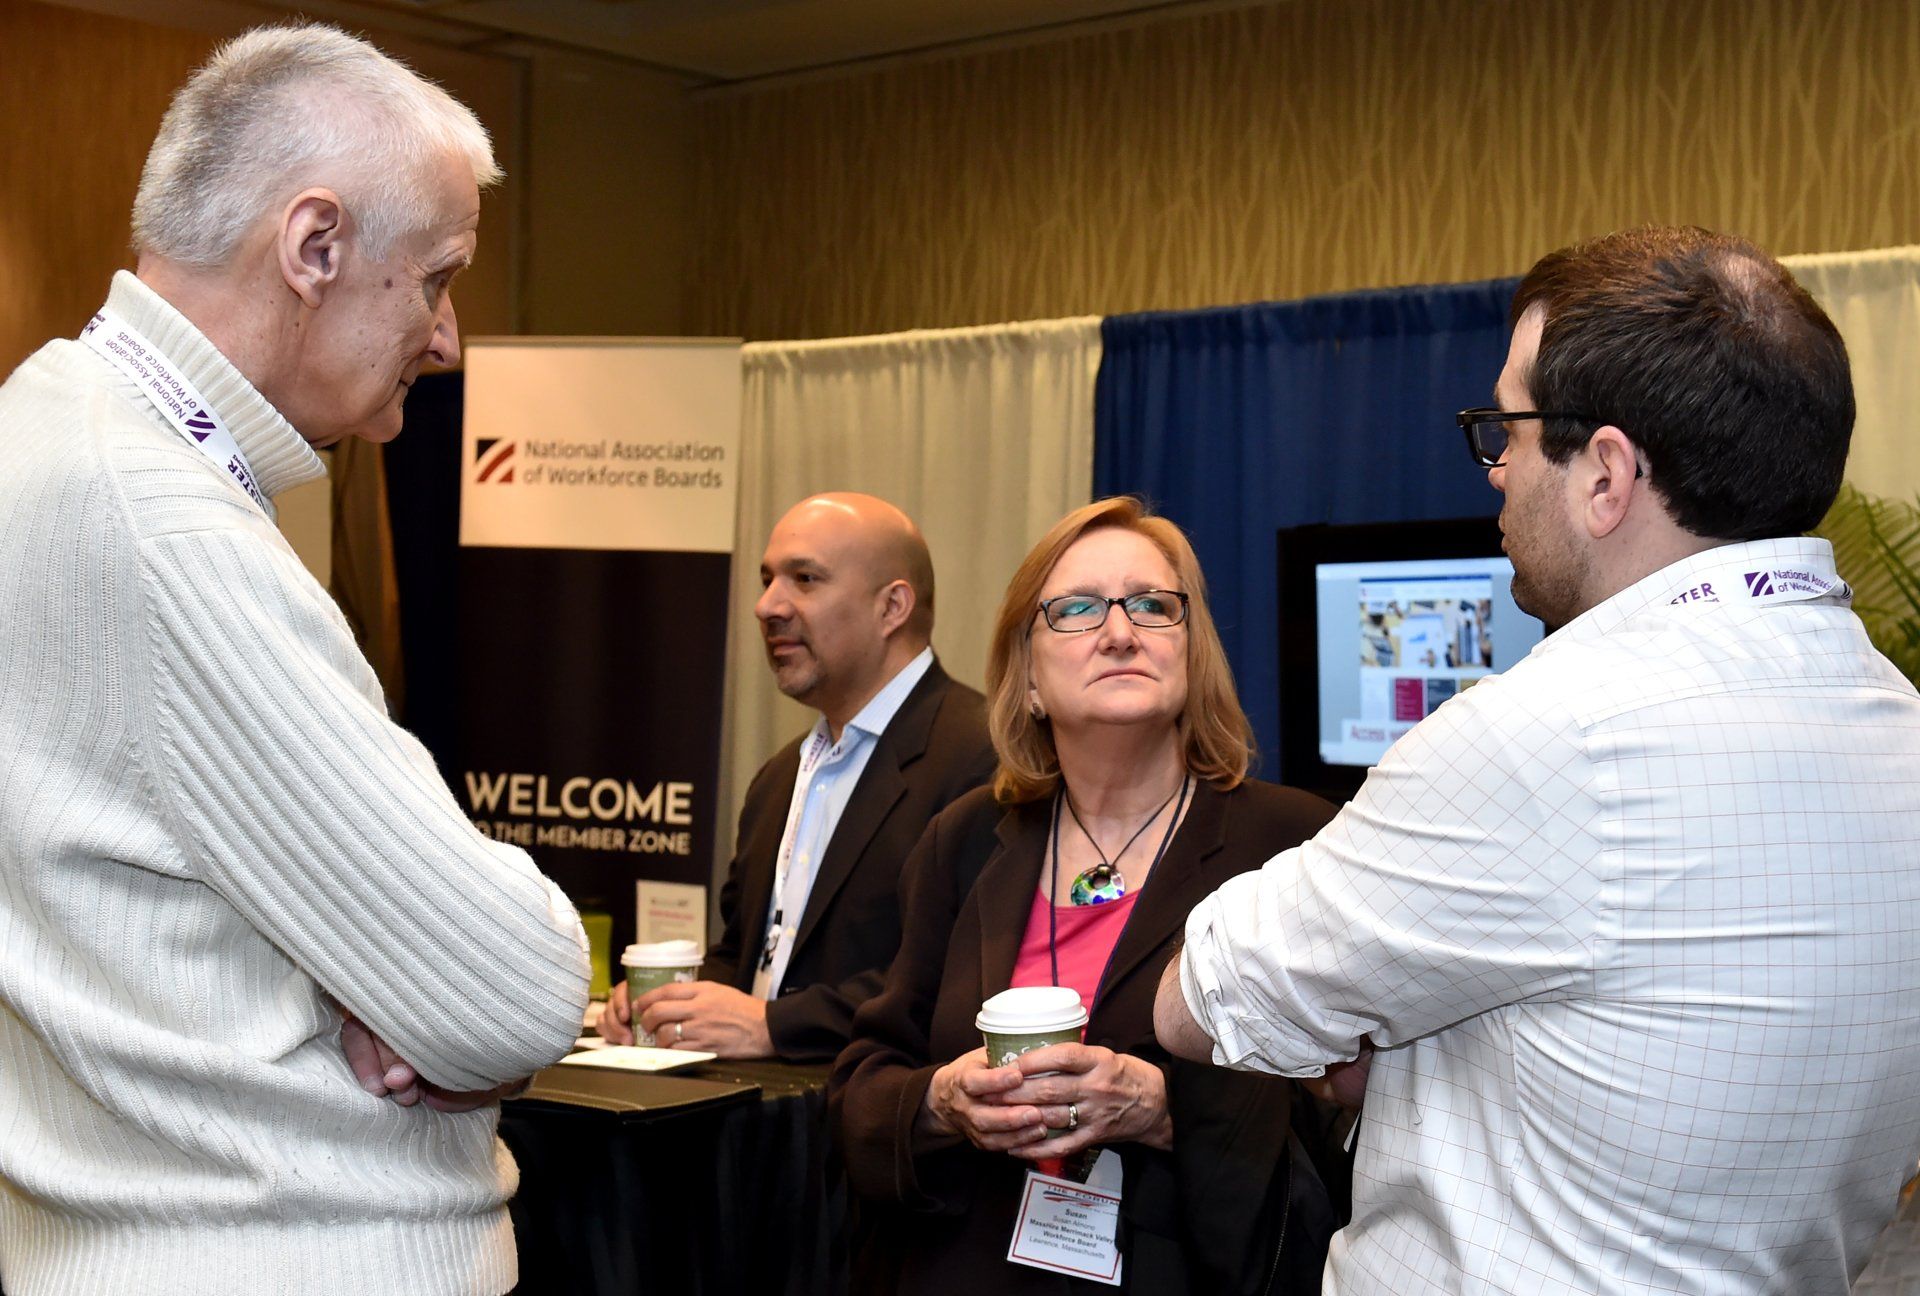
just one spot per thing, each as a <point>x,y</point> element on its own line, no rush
<point>890,543</point>
<point>847,600</point>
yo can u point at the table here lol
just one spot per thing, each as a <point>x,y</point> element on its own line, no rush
<point>712,1179</point>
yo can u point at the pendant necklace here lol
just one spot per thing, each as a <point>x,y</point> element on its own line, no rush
<point>1104,882</point>
<point>1111,885</point>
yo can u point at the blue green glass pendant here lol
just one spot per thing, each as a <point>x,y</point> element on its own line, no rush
<point>1097,885</point>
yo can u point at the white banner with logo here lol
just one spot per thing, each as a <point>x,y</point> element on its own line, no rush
<point>601,443</point>
<point>599,481</point>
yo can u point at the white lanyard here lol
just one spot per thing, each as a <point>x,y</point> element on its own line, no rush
<point>780,929</point>
<point>1764,581</point>
<point>122,346</point>
<point>810,757</point>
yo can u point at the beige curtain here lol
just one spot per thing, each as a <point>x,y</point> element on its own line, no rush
<point>1874,299</point>
<point>983,435</point>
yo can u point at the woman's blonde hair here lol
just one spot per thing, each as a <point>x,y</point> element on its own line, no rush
<point>1219,739</point>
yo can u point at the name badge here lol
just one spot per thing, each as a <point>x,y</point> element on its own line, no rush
<point>1072,1228</point>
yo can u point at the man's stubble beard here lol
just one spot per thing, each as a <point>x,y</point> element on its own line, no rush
<point>800,681</point>
<point>1550,581</point>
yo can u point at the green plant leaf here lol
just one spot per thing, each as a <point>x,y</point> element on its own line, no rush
<point>1876,548</point>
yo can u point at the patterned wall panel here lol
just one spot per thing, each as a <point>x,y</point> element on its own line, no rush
<point>1288,149</point>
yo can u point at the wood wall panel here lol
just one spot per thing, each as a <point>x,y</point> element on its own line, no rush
<point>81,95</point>
<point>1289,149</point>
<point>80,98</point>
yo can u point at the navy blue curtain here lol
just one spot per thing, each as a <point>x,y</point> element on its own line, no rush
<point>1241,420</point>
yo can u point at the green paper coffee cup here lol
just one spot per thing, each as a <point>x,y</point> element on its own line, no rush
<point>598,924</point>
<point>651,966</point>
<point>1026,1018</point>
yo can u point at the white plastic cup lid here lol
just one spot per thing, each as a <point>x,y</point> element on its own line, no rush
<point>662,954</point>
<point>1032,1010</point>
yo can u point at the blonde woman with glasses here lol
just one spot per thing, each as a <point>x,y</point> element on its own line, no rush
<point>1120,800</point>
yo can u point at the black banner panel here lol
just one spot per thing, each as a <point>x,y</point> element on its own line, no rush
<point>590,733</point>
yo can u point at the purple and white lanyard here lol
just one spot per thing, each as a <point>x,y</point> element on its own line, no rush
<point>1766,581</point>
<point>178,400</point>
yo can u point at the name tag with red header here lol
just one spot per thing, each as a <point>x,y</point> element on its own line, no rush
<point>1071,1228</point>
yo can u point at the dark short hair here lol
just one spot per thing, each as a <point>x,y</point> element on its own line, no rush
<point>1704,350</point>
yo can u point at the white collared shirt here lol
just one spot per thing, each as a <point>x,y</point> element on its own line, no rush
<point>1636,926</point>
<point>829,772</point>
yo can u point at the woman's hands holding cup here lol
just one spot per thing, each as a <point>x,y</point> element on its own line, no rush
<point>1088,1095</point>
<point>963,1099</point>
<point>1026,1107</point>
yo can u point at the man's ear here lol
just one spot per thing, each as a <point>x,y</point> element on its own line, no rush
<point>1609,480</point>
<point>896,606</point>
<point>312,244</point>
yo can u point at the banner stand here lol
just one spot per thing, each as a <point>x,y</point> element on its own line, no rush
<point>599,479</point>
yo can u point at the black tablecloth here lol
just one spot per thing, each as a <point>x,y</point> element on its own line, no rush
<point>716,1179</point>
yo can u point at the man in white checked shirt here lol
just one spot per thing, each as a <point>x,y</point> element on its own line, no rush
<point>1635,926</point>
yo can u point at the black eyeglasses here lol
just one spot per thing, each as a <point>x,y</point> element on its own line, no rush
<point>1486,430</point>
<point>1149,609</point>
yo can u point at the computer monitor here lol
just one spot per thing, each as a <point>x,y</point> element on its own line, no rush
<point>1380,625</point>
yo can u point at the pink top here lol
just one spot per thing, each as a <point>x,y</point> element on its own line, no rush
<point>1086,935</point>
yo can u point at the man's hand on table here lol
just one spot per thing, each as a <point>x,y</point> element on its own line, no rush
<point>385,1074</point>
<point>703,1015</point>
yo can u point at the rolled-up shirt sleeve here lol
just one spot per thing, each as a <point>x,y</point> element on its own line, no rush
<point>1240,1013</point>
<point>1466,874</point>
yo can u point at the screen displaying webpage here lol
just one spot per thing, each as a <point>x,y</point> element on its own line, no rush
<point>1397,639</point>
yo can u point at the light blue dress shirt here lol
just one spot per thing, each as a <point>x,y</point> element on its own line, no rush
<point>829,772</point>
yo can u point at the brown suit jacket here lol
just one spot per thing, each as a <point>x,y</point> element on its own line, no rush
<point>934,750</point>
<point>1226,1210</point>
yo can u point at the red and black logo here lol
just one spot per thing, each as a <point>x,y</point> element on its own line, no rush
<point>494,458</point>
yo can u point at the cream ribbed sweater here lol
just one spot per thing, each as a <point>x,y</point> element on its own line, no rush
<point>208,826</point>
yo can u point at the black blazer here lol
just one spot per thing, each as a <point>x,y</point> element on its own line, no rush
<point>1227,1210</point>
<point>934,750</point>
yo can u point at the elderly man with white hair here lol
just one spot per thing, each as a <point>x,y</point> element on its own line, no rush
<point>233,894</point>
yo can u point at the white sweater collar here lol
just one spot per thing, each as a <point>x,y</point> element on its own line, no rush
<point>279,456</point>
